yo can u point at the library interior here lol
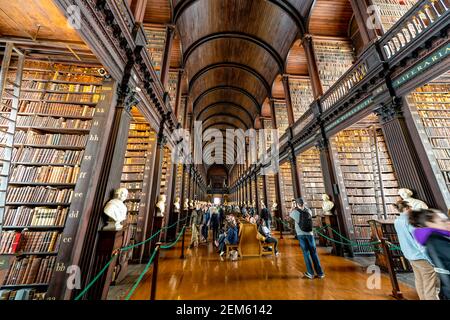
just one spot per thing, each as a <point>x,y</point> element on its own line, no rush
<point>99,101</point>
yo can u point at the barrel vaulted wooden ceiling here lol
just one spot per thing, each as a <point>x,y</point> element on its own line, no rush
<point>234,51</point>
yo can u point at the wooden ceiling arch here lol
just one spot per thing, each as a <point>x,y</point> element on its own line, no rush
<point>232,89</point>
<point>220,77</point>
<point>226,108</point>
<point>289,8</point>
<point>223,96</point>
<point>234,65</point>
<point>236,35</point>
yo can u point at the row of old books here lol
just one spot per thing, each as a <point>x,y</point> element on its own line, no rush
<point>312,183</point>
<point>57,139</point>
<point>72,97</point>
<point>432,102</point>
<point>29,241</point>
<point>139,159</point>
<point>301,96</point>
<point>128,168</point>
<point>54,156</point>
<point>286,185</point>
<point>38,216</point>
<point>38,194</point>
<point>62,109</point>
<point>21,294</point>
<point>51,122</point>
<point>360,178</point>
<point>45,174</point>
<point>30,270</point>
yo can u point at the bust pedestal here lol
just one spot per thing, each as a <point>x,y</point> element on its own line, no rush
<point>108,242</point>
<point>331,220</point>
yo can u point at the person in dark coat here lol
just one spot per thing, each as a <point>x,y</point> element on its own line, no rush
<point>265,215</point>
<point>214,223</point>
<point>433,232</point>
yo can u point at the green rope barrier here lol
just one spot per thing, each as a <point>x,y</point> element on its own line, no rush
<point>147,267</point>
<point>141,276</point>
<point>98,275</point>
<point>349,242</point>
<point>175,242</point>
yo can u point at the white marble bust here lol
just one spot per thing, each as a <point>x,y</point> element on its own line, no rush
<point>262,205</point>
<point>274,206</point>
<point>186,204</point>
<point>327,205</point>
<point>116,210</point>
<point>161,206</point>
<point>176,204</point>
<point>415,204</point>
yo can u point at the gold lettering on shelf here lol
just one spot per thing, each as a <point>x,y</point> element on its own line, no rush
<point>93,137</point>
<point>78,194</point>
<point>87,158</point>
<point>67,240</point>
<point>60,267</point>
<point>74,214</point>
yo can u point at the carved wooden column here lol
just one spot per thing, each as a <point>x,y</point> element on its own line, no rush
<point>405,158</point>
<point>170,234</point>
<point>291,120</point>
<point>264,177</point>
<point>313,69</point>
<point>288,99</point>
<point>332,190</point>
<point>154,223</point>
<point>360,9</point>
<point>277,177</point>
<point>165,65</point>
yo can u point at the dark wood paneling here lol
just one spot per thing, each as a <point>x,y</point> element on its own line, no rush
<point>296,60</point>
<point>228,76</point>
<point>229,96</point>
<point>21,19</point>
<point>259,18</point>
<point>330,18</point>
<point>157,11</point>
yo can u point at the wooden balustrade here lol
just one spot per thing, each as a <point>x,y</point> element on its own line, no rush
<point>421,17</point>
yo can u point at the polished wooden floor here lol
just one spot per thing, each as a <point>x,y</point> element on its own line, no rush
<point>202,275</point>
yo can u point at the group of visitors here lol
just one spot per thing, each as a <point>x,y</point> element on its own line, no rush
<point>424,237</point>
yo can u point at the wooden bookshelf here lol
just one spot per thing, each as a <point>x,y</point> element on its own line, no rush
<point>366,179</point>
<point>166,173</point>
<point>430,109</point>
<point>260,185</point>
<point>57,106</point>
<point>178,182</point>
<point>301,96</point>
<point>392,10</point>
<point>156,41</point>
<point>137,164</point>
<point>286,186</point>
<point>173,85</point>
<point>282,116</point>
<point>311,182</point>
<point>333,58</point>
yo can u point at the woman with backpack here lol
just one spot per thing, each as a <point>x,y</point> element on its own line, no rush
<point>302,216</point>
